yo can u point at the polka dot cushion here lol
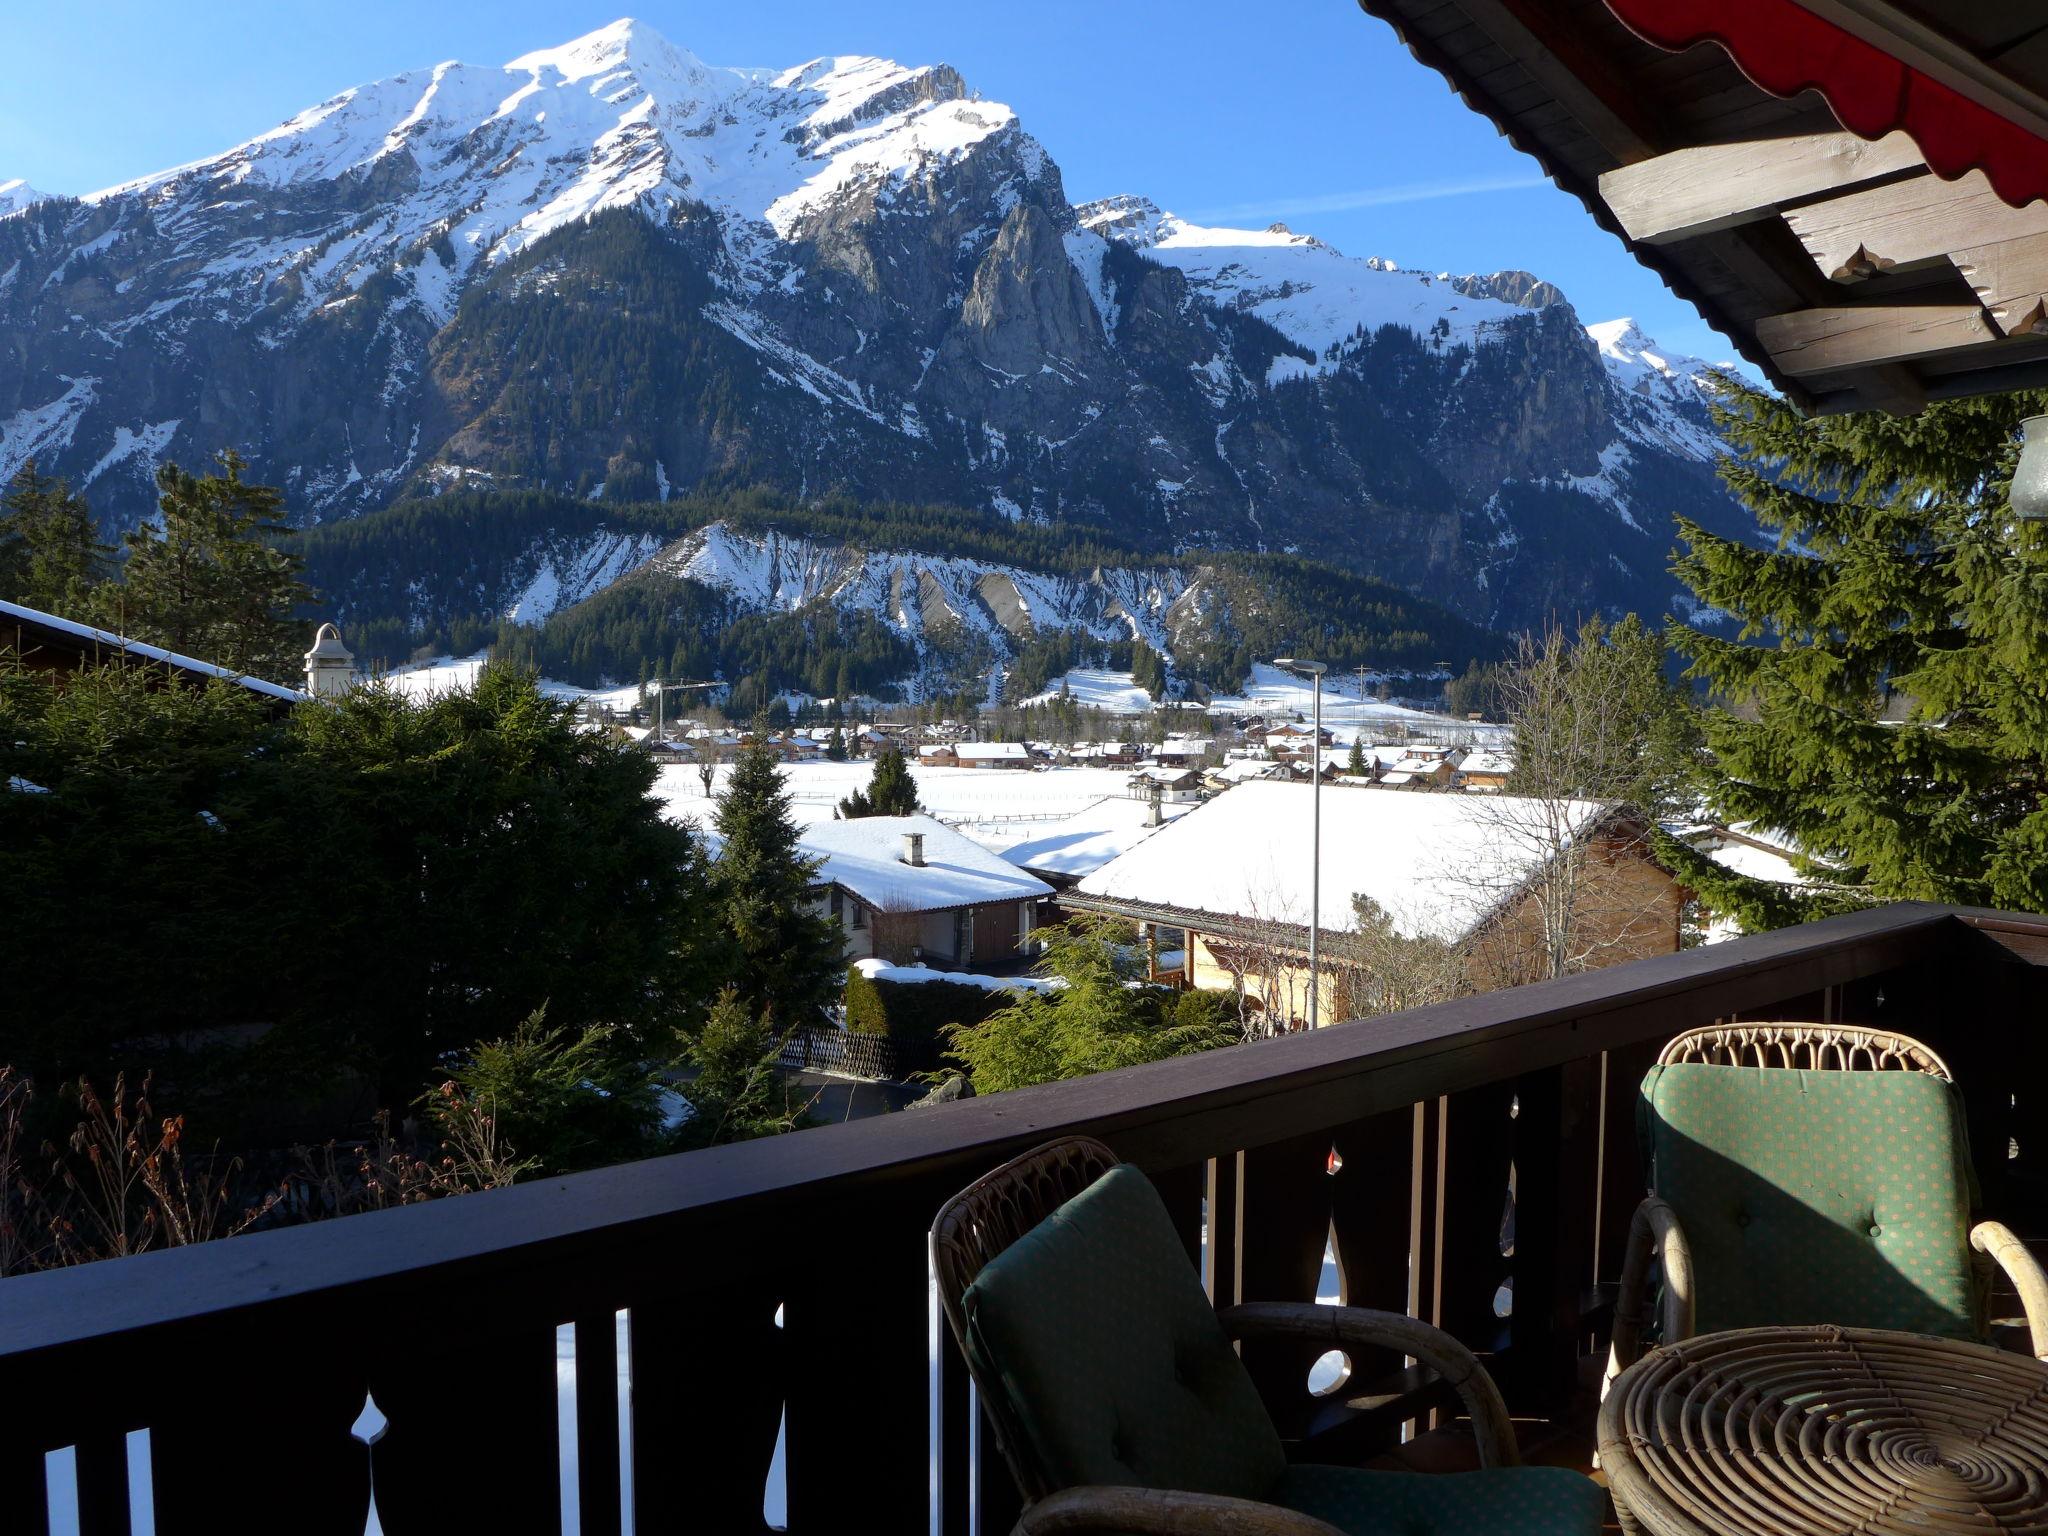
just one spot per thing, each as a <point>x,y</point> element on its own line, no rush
<point>1811,1197</point>
<point>1506,1501</point>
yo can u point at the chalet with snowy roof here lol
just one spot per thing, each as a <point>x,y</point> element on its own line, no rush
<point>1174,784</point>
<point>1184,751</point>
<point>44,642</point>
<point>1484,770</point>
<point>910,888</point>
<point>992,754</point>
<point>938,755</point>
<point>1468,872</point>
<point>1420,772</point>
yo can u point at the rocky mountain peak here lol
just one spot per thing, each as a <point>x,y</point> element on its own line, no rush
<point>610,271</point>
<point>17,194</point>
<point>1523,289</point>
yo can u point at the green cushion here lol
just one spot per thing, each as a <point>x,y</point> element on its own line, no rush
<point>1810,1197</point>
<point>1524,1501</point>
<point>1111,1357</point>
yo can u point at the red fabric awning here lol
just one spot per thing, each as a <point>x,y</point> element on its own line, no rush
<point>1785,49</point>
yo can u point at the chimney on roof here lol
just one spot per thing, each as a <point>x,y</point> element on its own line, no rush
<point>913,849</point>
<point>330,665</point>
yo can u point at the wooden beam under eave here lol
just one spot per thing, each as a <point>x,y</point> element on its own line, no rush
<point>1706,187</point>
<point>2011,280</point>
<point>1852,236</point>
<point>1824,340</point>
<point>1553,52</point>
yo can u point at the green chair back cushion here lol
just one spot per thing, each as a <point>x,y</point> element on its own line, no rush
<point>1816,1197</point>
<point>1110,1357</point>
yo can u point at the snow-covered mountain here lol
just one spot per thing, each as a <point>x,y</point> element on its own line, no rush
<point>611,269</point>
<point>17,194</point>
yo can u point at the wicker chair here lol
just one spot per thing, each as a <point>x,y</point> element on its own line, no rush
<point>1882,1123</point>
<point>1112,1388</point>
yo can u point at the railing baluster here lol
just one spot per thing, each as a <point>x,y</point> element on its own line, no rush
<point>597,1423</point>
<point>709,1373</point>
<point>462,1395</point>
<point>1556,1173</point>
<point>853,1330</point>
<point>1285,1231</point>
<point>24,1475</point>
<point>1478,1147</point>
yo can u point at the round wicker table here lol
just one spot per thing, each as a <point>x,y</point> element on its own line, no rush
<point>1790,1431</point>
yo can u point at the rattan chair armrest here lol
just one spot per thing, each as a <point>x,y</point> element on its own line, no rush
<point>1653,1233</point>
<point>1163,1512</point>
<point>1337,1327</point>
<point>2024,1270</point>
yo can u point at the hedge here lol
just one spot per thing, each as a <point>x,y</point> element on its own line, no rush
<point>914,1011</point>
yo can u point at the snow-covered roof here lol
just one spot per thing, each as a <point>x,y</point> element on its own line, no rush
<point>865,856</point>
<point>1487,762</point>
<point>941,750</point>
<point>1091,837</point>
<point>992,751</point>
<point>21,614</point>
<point>912,975</point>
<point>1239,770</point>
<point>1437,864</point>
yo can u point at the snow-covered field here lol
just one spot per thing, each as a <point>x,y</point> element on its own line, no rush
<point>449,674</point>
<point>981,802</point>
<point>1345,713</point>
<point>1094,688</point>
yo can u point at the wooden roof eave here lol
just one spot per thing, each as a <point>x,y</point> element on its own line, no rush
<point>1425,51</point>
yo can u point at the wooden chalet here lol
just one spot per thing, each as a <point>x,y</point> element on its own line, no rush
<point>1852,190</point>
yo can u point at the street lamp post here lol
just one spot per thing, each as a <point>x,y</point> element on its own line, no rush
<point>1313,671</point>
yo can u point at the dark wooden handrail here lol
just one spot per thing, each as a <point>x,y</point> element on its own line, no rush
<point>1159,1114</point>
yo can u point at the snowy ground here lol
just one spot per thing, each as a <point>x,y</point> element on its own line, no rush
<point>1094,688</point>
<point>447,674</point>
<point>1349,709</point>
<point>981,802</point>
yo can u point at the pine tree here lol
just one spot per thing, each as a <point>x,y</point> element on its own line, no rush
<point>1890,675</point>
<point>734,1091</point>
<point>891,792</point>
<point>213,580</point>
<point>51,556</point>
<point>784,957</point>
<point>835,745</point>
<point>1355,765</point>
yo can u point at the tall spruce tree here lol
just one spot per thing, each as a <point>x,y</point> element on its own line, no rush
<point>214,580</point>
<point>1889,682</point>
<point>783,956</point>
<point>890,792</point>
<point>51,556</point>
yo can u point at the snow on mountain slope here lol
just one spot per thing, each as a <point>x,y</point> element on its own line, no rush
<point>1315,295</point>
<point>486,160</point>
<point>1673,387</point>
<point>565,577</point>
<point>1308,291</point>
<point>916,594</point>
<point>16,195</point>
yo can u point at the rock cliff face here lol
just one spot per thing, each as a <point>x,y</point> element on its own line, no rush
<point>612,270</point>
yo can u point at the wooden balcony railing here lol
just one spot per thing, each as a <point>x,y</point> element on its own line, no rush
<point>246,1362</point>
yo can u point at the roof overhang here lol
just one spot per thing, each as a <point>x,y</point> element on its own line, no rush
<point>1897,259</point>
<point>47,641</point>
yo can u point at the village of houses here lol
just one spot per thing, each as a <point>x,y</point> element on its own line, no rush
<point>1202,842</point>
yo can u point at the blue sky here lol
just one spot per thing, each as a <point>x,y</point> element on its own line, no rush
<point>1302,110</point>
